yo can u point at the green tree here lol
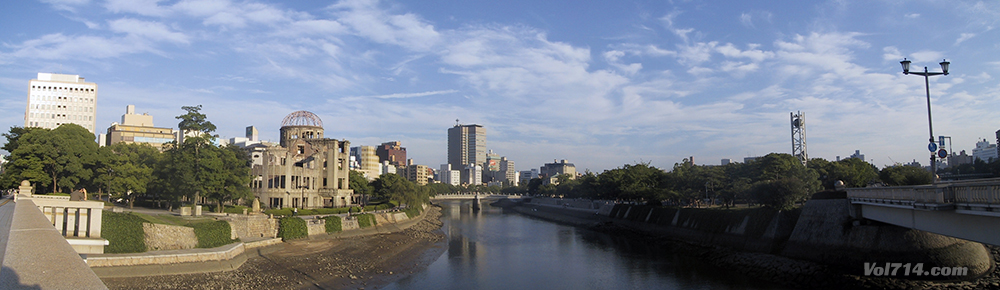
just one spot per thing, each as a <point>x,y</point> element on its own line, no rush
<point>780,194</point>
<point>360,185</point>
<point>905,175</point>
<point>194,121</point>
<point>126,170</point>
<point>396,188</point>
<point>62,155</point>
<point>235,175</point>
<point>853,172</point>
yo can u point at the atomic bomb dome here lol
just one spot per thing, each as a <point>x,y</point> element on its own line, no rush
<point>300,125</point>
<point>302,118</point>
<point>306,170</point>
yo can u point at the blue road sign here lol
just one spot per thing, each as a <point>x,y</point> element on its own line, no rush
<point>932,146</point>
<point>942,153</point>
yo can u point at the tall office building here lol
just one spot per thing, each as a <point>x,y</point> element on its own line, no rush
<point>367,161</point>
<point>56,99</point>
<point>466,145</point>
<point>392,151</point>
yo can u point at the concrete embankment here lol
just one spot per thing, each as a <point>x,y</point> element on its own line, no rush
<point>816,246</point>
<point>258,238</point>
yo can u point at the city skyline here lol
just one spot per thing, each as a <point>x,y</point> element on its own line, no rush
<point>599,84</point>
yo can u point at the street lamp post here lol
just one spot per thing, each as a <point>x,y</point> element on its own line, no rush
<point>930,125</point>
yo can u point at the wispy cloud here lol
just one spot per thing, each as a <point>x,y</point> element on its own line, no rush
<point>963,37</point>
<point>412,95</point>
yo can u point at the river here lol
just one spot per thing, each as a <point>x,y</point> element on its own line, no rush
<point>494,249</point>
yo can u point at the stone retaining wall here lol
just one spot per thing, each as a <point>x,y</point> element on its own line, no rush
<point>167,237</point>
<point>167,257</point>
<point>253,227</point>
<point>316,227</point>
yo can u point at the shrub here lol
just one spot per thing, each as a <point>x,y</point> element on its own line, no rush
<point>366,220</point>
<point>412,212</point>
<point>123,232</point>
<point>212,234</point>
<point>312,211</point>
<point>333,224</point>
<point>290,228</point>
<point>279,211</point>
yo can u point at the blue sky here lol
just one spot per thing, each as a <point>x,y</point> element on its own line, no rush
<point>600,83</point>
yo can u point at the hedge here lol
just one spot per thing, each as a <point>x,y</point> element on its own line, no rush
<point>312,211</point>
<point>123,232</point>
<point>366,220</point>
<point>412,212</point>
<point>290,228</point>
<point>333,224</point>
<point>212,234</point>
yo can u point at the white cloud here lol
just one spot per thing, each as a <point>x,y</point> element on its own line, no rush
<point>225,19</point>
<point>756,55</point>
<point>746,19</point>
<point>926,56</point>
<point>367,20</point>
<point>150,30</point>
<point>141,7</point>
<point>912,15</point>
<point>60,47</point>
<point>412,95</point>
<point>202,8</point>
<point>963,37</point>
<point>891,53</point>
<point>68,5</point>
<point>695,54</point>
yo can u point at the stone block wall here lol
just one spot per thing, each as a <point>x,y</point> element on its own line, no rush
<point>253,227</point>
<point>316,227</point>
<point>167,237</point>
<point>382,219</point>
<point>349,224</point>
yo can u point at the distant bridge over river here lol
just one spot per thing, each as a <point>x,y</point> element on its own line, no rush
<point>967,209</point>
<point>473,196</point>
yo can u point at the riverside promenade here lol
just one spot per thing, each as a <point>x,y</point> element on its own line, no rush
<point>224,258</point>
<point>370,258</point>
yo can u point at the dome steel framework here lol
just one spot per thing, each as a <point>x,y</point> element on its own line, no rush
<point>302,118</point>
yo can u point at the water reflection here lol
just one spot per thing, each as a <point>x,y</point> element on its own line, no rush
<point>493,249</point>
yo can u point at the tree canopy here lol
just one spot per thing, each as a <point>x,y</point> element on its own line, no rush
<point>57,158</point>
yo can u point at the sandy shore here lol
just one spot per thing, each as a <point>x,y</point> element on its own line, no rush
<point>363,262</point>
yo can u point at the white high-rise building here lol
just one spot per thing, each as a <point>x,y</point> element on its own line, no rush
<point>449,176</point>
<point>56,99</point>
<point>984,151</point>
<point>472,174</point>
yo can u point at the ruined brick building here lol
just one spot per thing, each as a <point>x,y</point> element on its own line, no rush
<point>305,170</point>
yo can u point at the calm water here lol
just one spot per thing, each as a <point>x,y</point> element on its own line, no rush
<point>491,249</point>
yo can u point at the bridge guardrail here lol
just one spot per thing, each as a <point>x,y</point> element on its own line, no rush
<point>973,194</point>
<point>978,194</point>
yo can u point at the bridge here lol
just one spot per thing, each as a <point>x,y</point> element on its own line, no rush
<point>473,196</point>
<point>44,241</point>
<point>968,209</point>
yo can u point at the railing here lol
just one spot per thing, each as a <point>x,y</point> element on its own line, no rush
<point>971,194</point>
<point>78,221</point>
<point>35,255</point>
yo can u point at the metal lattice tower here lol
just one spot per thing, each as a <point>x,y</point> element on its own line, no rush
<point>799,136</point>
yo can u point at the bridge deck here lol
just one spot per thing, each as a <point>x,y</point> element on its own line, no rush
<point>963,209</point>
